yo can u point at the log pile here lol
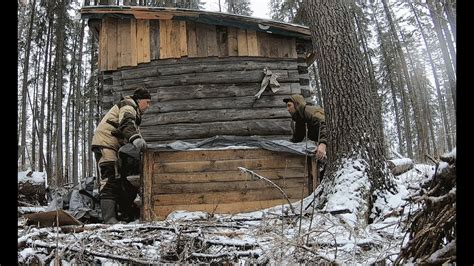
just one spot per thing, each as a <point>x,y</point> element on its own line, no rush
<point>31,193</point>
<point>432,230</point>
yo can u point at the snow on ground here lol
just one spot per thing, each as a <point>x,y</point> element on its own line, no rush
<point>274,235</point>
<point>33,177</point>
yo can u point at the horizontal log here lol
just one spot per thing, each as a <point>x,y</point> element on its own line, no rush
<point>400,166</point>
<point>203,66</point>
<point>195,140</point>
<point>194,65</point>
<point>199,91</point>
<point>206,130</point>
<point>228,165</point>
<point>161,212</point>
<point>239,186</point>
<point>221,176</point>
<point>226,197</point>
<point>223,115</point>
<point>209,155</point>
<point>217,103</point>
<point>251,76</point>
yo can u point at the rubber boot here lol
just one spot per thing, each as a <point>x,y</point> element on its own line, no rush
<point>107,207</point>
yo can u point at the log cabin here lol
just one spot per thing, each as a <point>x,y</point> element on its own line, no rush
<point>204,70</point>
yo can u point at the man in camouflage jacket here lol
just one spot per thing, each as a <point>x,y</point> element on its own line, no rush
<point>119,126</point>
<point>311,117</point>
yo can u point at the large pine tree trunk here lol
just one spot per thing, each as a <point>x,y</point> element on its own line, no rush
<point>439,97</point>
<point>92,103</point>
<point>47,61</point>
<point>78,108</point>
<point>388,65</point>
<point>24,86</point>
<point>350,112</point>
<point>370,68</point>
<point>406,77</point>
<point>444,50</point>
<point>60,49</point>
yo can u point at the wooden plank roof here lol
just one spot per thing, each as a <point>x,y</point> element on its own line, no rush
<point>207,17</point>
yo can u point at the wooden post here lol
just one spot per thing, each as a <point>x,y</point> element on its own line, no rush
<point>146,212</point>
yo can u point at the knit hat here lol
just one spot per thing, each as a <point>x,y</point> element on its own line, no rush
<point>141,93</point>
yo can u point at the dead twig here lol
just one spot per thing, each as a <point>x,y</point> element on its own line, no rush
<point>245,170</point>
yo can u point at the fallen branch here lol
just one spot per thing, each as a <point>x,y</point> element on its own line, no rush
<point>244,170</point>
<point>237,254</point>
<point>39,243</point>
<point>400,166</point>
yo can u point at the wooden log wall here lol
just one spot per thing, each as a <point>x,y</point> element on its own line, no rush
<point>203,78</point>
<point>196,98</point>
<point>129,41</point>
<point>209,180</point>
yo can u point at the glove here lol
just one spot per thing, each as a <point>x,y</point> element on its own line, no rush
<point>140,144</point>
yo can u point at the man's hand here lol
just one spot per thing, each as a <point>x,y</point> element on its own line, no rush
<point>140,144</point>
<point>320,151</point>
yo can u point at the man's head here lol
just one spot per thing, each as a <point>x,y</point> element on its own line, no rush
<point>293,102</point>
<point>143,98</point>
<point>290,106</point>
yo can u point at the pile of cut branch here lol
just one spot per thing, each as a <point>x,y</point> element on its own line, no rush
<point>433,227</point>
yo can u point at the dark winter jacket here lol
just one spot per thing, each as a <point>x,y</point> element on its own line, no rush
<point>313,117</point>
<point>119,126</point>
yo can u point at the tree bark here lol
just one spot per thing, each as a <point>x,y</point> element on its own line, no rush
<point>317,86</point>
<point>349,106</point>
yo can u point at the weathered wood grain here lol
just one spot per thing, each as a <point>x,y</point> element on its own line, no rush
<point>201,40</point>
<point>192,65</point>
<point>242,44</point>
<point>221,176</point>
<point>209,155</point>
<point>201,91</point>
<point>203,130</point>
<point>242,186</point>
<point>112,55</point>
<point>232,47</point>
<point>155,39</point>
<point>225,197</point>
<point>223,115</point>
<point>222,41</point>
<point>162,212</point>
<point>143,41</point>
<point>252,43</point>
<point>212,77</point>
<point>191,38</point>
<point>147,211</point>
<point>247,102</point>
<point>228,165</point>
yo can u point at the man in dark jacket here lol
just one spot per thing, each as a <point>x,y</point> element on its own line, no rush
<point>310,117</point>
<point>119,126</point>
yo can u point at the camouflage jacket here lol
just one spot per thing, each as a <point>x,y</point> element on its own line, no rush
<point>119,126</point>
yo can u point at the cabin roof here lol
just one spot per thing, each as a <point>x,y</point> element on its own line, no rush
<point>207,17</point>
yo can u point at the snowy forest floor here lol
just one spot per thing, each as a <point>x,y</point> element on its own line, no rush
<point>273,235</point>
